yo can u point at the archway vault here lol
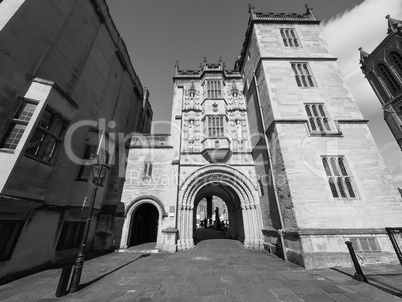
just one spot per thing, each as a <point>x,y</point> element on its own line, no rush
<point>237,182</point>
<point>128,214</point>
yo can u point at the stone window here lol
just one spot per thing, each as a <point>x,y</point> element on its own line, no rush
<point>303,75</point>
<point>388,79</point>
<point>377,87</point>
<point>147,169</point>
<point>216,126</point>
<point>289,37</point>
<point>90,152</point>
<point>18,125</point>
<point>365,244</point>
<point>318,119</point>
<point>47,137</point>
<point>396,59</point>
<point>214,89</point>
<point>9,232</point>
<point>339,180</point>
<point>71,235</point>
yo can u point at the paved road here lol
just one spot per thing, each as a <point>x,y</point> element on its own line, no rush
<point>217,270</point>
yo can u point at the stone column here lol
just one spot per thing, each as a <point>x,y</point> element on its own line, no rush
<point>209,206</point>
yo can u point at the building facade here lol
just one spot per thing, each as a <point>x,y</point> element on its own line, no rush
<point>383,70</point>
<point>281,140</point>
<point>207,154</point>
<point>326,175</point>
<point>66,77</point>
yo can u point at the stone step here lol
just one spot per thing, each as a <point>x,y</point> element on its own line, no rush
<point>141,251</point>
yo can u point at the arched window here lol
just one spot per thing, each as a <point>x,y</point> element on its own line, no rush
<point>334,167</point>
<point>340,183</point>
<point>388,78</point>
<point>317,118</point>
<point>349,187</point>
<point>308,110</point>
<point>321,110</point>
<point>312,124</point>
<point>302,74</point>
<point>326,166</point>
<point>342,167</point>
<point>315,110</point>
<point>341,188</point>
<point>320,126</point>
<point>396,59</point>
<point>327,127</point>
<point>378,87</point>
<point>333,187</point>
<point>289,37</point>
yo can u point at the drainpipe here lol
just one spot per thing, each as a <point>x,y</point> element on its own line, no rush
<point>178,163</point>
<point>281,231</point>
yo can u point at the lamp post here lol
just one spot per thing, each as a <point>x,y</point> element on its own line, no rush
<point>99,171</point>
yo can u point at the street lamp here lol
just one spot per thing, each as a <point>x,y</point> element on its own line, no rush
<point>99,171</point>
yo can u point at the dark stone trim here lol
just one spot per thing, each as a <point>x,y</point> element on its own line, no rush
<point>354,121</point>
<point>297,59</point>
<point>297,233</point>
<point>149,147</point>
<point>170,230</point>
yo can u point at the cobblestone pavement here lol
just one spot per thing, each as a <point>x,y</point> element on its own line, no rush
<point>217,270</point>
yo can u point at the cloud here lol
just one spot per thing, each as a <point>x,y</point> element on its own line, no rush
<point>365,26</point>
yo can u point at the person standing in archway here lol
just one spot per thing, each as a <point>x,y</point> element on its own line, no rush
<point>223,229</point>
<point>217,220</point>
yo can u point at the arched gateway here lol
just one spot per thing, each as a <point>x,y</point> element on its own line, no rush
<point>240,194</point>
<point>142,221</point>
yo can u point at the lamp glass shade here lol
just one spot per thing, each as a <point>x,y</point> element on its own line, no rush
<point>99,171</point>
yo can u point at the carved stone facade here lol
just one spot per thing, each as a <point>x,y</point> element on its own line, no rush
<point>207,154</point>
<point>327,182</point>
<point>383,70</point>
<point>281,141</point>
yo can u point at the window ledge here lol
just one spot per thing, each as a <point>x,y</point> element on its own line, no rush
<point>38,160</point>
<point>324,133</point>
<point>5,150</point>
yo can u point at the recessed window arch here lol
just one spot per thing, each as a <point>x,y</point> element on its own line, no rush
<point>388,78</point>
<point>289,37</point>
<point>396,59</point>
<point>339,180</point>
<point>303,75</point>
<point>377,87</point>
<point>318,119</point>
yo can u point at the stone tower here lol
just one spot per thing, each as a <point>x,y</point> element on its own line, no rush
<point>315,156</point>
<point>383,70</point>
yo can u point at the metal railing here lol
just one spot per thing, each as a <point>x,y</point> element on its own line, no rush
<point>359,273</point>
<point>395,235</point>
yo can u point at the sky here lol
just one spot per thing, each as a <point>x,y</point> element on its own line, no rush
<point>157,33</point>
